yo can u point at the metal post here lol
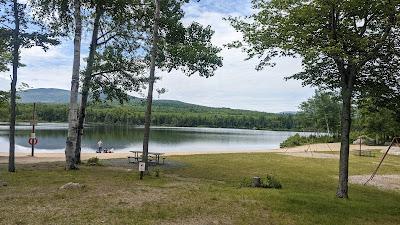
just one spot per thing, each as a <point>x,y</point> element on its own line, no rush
<point>33,128</point>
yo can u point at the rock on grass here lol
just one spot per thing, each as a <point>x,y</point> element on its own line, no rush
<point>71,185</point>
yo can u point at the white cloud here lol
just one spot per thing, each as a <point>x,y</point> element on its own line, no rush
<point>45,69</point>
<point>4,83</point>
<point>237,84</point>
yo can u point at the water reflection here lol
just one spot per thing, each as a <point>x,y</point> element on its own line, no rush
<point>164,139</point>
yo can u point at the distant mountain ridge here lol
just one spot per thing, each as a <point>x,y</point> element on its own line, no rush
<point>44,95</point>
<point>61,96</point>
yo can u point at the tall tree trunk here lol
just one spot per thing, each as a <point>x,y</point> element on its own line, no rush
<point>87,80</point>
<point>327,125</point>
<point>73,105</point>
<point>153,55</point>
<point>15,63</point>
<point>347,91</point>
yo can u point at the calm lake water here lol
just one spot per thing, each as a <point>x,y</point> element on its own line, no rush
<point>163,139</point>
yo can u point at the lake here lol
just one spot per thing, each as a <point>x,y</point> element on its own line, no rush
<point>162,139</point>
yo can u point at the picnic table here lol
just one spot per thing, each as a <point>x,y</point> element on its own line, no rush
<point>152,155</point>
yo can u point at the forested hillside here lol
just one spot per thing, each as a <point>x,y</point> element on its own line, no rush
<point>165,113</point>
<point>52,107</point>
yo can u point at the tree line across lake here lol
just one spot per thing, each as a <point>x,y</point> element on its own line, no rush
<point>320,113</point>
<point>166,115</point>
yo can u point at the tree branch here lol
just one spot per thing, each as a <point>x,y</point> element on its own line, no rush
<point>107,40</point>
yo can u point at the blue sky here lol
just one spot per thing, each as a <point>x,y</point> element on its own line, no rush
<point>236,85</point>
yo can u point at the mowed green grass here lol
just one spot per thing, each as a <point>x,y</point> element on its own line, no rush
<point>204,189</point>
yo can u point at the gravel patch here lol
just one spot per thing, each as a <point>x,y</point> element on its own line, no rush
<point>393,150</point>
<point>387,182</point>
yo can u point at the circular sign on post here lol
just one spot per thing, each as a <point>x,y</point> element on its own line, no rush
<point>142,166</point>
<point>33,141</point>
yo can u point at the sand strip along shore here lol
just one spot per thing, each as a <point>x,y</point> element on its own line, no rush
<point>24,158</point>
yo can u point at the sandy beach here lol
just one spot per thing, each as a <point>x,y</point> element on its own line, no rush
<point>25,158</point>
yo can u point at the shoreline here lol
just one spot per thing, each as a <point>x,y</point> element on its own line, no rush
<point>25,158</point>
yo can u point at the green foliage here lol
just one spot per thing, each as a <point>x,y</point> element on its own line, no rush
<point>156,171</point>
<point>321,113</point>
<point>332,38</point>
<point>195,52</point>
<point>94,161</point>
<point>31,32</point>
<point>5,54</point>
<point>245,182</point>
<point>4,97</point>
<point>377,121</point>
<point>268,182</point>
<point>165,113</point>
<point>123,48</point>
<point>4,105</point>
<point>297,140</point>
<point>271,182</point>
<point>349,45</point>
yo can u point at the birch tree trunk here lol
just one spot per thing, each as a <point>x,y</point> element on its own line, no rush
<point>15,63</point>
<point>347,91</point>
<point>153,55</point>
<point>86,81</point>
<point>73,105</point>
<point>327,125</point>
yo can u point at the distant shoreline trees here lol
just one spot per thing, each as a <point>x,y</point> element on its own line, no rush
<point>163,115</point>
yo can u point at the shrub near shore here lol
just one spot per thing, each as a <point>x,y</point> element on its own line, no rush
<point>297,140</point>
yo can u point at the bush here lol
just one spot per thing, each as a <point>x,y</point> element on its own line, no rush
<point>245,182</point>
<point>157,171</point>
<point>268,182</point>
<point>297,140</point>
<point>94,161</point>
<point>271,182</point>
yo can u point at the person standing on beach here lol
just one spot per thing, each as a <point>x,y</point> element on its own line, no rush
<point>100,144</point>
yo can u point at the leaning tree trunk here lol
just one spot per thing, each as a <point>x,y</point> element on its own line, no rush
<point>15,62</point>
<point>347,91</point>
<point>86,81</point>
<point>153,54</point>
<point>73,105</point>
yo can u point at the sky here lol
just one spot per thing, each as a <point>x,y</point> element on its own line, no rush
<point>236,85</point>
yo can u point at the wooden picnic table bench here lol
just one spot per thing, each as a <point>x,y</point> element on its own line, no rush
<point>153,157</point>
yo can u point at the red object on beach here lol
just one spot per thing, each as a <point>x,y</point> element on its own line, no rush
<point>33,141</point>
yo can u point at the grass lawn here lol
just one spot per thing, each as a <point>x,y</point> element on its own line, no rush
<point>200,189</point>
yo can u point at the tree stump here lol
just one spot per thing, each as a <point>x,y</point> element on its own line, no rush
<point>3,184</point>
<point>256,182</point>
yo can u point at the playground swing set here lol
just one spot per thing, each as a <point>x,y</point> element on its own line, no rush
<point>395,142</point>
